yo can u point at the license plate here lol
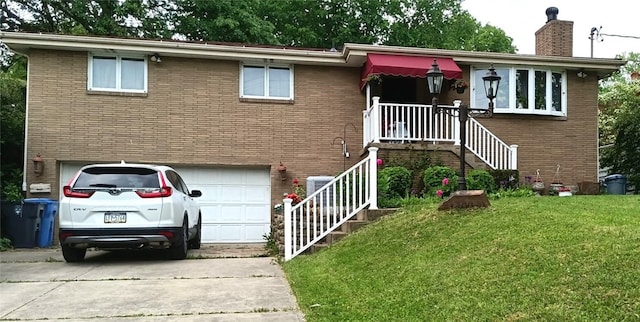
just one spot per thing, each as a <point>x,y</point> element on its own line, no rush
<point>115,217</point>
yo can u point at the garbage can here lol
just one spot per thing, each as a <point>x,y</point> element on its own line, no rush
<point>47,211</point>
<point>616,184</point>
<point>10,211</point>
<point>21,224</point>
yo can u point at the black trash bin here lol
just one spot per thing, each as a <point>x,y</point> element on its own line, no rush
<point>616,184</point>
<point>9,210</point>
<point>20,222</point>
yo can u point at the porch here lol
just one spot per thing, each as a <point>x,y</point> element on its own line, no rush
<point>418,123</point>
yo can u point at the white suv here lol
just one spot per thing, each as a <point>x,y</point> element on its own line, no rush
<point>120,206</point>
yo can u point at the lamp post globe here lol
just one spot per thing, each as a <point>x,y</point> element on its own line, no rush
<point>491,83</point>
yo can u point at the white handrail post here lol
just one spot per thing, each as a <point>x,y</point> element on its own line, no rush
<point>375,119</point>
<point>365,129</point>
<point>288,239</point>
<point>514,157</point>
<point>456,129</point>
<point>373,177</point>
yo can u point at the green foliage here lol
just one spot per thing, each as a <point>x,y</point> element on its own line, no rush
<point>433,180</point>
<point>619,121</point>
<point>12,113</point>
<point>506,179</point>
<point>416,161</point>
<point>519,192</point>
<point>479,179</point>
<point>301,23</point>
<point>5,244</point>
<point>11,192</point>
<point>395,181</point>
<point>271,245</point>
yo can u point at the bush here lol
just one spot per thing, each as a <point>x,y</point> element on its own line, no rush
<point>433,180</point>
<point>394,182</point>
<point>506,179</point>
<point>514,193</point>
<point>479,179</point>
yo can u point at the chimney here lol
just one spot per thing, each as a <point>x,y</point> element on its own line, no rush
<point>555,38</point>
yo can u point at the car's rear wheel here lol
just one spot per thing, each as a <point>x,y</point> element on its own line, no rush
<point>179,248</point>
<point>197,239</point>
<point>73,255</point>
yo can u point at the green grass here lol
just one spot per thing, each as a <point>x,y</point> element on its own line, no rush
<point>524,259</point>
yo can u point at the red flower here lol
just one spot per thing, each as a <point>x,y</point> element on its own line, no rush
<point>295,181</point>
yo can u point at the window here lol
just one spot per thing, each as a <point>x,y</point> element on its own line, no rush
<point>524,91</point>
<point>266,81</point>
<point>117,73</point>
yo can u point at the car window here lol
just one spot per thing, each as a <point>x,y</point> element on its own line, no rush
<point>174,178</point>
<point>117,177</point>
<point>184,185</point>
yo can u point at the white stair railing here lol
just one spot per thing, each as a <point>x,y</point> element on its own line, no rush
<point>325,210</point>
<point>489,148</point>
<point>403,123</point>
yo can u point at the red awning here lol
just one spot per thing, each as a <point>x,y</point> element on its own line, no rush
<point>407,66</point>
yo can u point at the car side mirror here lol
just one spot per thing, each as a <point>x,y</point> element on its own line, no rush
<point>195,193</point>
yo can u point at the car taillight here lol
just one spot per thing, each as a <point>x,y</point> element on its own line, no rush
<point>64,236</point>
<point>163,192</point>
<point>68,192</point>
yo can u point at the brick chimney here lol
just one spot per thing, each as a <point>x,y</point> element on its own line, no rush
<point>555,38</point>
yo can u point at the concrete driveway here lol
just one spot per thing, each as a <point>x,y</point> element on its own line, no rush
<point>218,283</point>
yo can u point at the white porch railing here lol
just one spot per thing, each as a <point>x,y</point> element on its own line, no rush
<point>326,209</point>
<point>399,123</point>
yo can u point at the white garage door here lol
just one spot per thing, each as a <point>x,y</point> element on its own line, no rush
<point>235,203</point>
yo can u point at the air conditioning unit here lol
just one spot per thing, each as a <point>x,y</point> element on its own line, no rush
<point>314,183</point>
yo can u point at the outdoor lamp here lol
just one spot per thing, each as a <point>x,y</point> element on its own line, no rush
<point>491,83</point>
<point>282,169</point>
<point>434,80</point>
<point>38,164</point>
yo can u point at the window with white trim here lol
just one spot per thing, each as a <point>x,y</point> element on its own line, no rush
<point>266,81</point>
<point>524,90</point>
<point>117,73</point>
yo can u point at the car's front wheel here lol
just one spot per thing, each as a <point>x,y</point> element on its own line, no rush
<point>73,255</point>
<point>178,249</point>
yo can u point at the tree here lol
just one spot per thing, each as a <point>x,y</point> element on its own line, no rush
<point>124,18</point>
<point>619,118</point>
<point>12,112</point>
<point>223,20</point>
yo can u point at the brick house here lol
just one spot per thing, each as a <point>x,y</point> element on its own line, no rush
<point>227,115</point>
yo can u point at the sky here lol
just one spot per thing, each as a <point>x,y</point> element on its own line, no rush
<point>520,19</point>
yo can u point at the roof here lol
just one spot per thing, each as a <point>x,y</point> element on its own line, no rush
<point>352,55</point>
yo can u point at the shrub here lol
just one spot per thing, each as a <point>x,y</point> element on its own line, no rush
<point>396,182</point>
<point>506,179</point>
<point>479,179</point>
<point>434,177</point>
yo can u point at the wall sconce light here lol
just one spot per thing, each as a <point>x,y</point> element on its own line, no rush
<point>582,74</point>
<point>283,172</point>
<point>38,164</point>
<point>156,58</point>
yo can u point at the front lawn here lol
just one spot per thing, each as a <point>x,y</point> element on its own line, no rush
<point>537,258</point>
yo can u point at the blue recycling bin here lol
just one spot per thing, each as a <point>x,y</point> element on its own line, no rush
<point>47,210</point>
<point>616,184</point>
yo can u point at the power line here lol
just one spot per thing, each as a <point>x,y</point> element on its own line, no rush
<point>621,36</point>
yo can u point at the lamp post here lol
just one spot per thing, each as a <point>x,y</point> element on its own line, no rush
<point>491,83</point>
